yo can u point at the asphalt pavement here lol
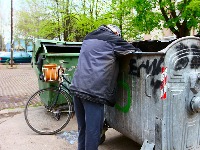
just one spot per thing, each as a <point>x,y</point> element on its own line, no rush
<point>17,84</point>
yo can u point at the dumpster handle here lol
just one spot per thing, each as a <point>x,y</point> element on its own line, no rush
<point>146,83</point>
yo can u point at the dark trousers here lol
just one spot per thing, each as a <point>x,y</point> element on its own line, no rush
<point>90,118</point>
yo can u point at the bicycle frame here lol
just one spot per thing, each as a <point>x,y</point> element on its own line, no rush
<point>60,87</point>
<point>62,83</point>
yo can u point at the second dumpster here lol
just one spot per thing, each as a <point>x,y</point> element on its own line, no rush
<point>50,53</point>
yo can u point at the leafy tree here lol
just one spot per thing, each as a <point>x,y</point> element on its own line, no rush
<point>179,16</point>
<point>89,15</point>
<point>34,21</point>
<point>122,15</point>
<point>85,24</point>
<point>62,19</point>
<point>71,20</point>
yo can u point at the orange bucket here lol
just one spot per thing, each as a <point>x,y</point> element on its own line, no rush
<point>50,72</point>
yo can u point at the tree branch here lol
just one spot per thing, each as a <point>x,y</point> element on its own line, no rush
<point>167,19</point>
<point>173,14</point>
<point>163,12</point>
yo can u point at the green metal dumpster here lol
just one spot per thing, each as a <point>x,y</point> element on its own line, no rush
<point>52,52</point>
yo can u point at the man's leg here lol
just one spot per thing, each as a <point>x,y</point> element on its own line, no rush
<point>94,114</point>
<point>80,115</point>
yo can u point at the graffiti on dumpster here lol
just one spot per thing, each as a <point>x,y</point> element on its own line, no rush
<point>195,62</point>
<point>126,107</point>
<point>153,68</point>
<point>183,53</point>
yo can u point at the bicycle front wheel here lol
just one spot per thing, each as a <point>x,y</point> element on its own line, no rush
<point>45,116</point>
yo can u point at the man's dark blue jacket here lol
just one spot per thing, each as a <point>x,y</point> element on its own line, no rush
<point>97,70</point>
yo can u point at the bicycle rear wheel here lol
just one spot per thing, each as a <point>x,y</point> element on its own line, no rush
<point>45,118</point>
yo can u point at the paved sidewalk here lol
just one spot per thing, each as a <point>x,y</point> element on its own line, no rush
<point>16,135</point>
<point>16,86</point>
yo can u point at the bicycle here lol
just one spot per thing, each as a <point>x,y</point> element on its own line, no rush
<point>49,110</point>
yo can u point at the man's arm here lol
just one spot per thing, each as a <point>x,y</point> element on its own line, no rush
<point>122,47</point>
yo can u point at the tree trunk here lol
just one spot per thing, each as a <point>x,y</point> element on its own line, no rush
<point>182,31</point>
<point>58,21</point>
<point>66,22</point>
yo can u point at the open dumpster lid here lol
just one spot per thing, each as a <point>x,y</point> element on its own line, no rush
<point>53,46</point>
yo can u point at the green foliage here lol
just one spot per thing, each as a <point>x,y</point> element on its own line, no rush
<point>71,20</point>
<point>32,19</point>
<point>192,12</point>
<point>61,19</point>
<point>179,16</point>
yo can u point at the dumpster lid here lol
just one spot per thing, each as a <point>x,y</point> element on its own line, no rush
<point>62,47</point>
